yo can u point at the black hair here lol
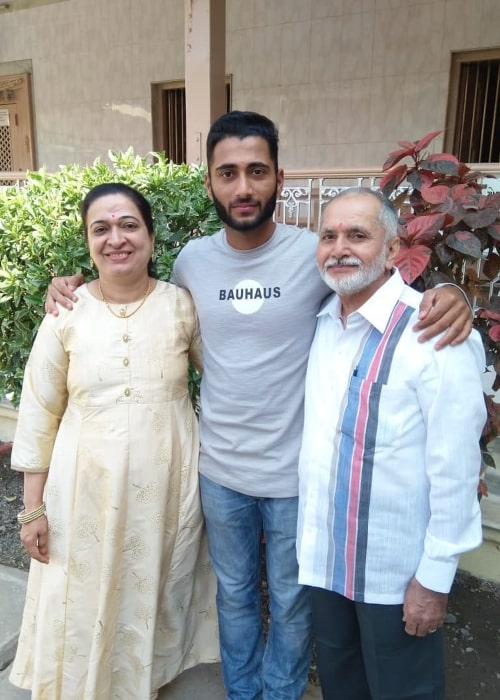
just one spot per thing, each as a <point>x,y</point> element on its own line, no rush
<point>241,125</point>
<point>134,195</point>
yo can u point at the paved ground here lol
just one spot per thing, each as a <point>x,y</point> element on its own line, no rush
<point>200,683</point>
<point>473,641</point>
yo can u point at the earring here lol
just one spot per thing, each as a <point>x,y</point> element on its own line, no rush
<point>91,263</point>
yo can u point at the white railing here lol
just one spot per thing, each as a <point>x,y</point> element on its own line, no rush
<point>305,193</point>
<point>16,178</point>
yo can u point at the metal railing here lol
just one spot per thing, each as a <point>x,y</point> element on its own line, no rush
<point>305,193</point>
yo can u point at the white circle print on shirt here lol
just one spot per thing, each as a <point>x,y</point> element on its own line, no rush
<point>248,296</point>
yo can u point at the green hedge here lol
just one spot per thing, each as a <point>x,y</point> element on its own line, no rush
<point>41,236</point>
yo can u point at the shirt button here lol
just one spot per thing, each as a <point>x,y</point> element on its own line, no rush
<point>127,392</point>
<point>125,338</point>
<point>126,361</point>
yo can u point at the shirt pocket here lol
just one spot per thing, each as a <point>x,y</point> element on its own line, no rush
<point>376,414</point>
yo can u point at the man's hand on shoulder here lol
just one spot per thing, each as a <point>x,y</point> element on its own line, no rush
<point>444,309</point>
<point>61,291</point>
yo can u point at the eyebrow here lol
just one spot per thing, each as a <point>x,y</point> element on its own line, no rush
<point>348,229</point>
<point>230,166</point>
<point>120,218</point>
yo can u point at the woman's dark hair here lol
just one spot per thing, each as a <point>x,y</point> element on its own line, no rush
<point>241,125</point>
<point>134,195</point>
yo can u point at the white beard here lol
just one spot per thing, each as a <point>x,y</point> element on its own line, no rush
<point>363,276</point>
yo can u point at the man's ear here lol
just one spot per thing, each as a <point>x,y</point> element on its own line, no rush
<point>208,186</point>
<point>280,181</point>
<point>392,250</point>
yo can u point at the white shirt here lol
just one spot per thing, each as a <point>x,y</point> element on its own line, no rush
<point>390,457</point>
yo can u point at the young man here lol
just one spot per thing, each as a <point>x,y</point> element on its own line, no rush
<point>257,293</point>
<point>388,468</point>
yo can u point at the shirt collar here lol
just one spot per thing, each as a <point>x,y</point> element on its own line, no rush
<point>378,309</point>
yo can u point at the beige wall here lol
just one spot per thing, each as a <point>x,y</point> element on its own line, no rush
<point>93,64</point>
<point>343,79</point>
<point>347,79</point>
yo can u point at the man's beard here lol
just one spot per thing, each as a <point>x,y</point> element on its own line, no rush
<point>362,278</point>
<point>264,215</point>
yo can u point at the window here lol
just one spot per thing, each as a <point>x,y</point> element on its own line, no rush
<point>169,118</point>
<point>473,122</point>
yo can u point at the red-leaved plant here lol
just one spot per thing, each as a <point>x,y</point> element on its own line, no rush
<point>450,231</point>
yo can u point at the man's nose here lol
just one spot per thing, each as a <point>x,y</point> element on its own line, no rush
<point>244,186</point>
<point>339,247</point>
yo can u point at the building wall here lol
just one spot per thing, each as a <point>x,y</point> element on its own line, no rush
<point>93,63</point>
<point>343,79</point>
<point>347,79</point>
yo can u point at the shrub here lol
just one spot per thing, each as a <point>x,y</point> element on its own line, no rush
<point>41,236</point>
<point>450,231</point>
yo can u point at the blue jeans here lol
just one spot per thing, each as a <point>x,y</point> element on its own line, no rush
<point>254,669</point>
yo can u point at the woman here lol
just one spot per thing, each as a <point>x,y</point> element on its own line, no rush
<point>120,597</point>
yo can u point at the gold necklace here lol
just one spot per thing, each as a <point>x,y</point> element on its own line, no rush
<point>123,311</point>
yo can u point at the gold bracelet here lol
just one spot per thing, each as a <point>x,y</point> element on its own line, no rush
<point>23,517</point>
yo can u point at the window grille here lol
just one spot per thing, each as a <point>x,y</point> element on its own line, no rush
<point>474,107</point>
<point>169,119</point>
<point>5,149</point>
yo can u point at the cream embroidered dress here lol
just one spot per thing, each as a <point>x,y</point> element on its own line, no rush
<point>127,601</point>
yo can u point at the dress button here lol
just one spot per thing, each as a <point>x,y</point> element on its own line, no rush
<point>127,392</point>
<point>125,338</point>
<point>126,361</point>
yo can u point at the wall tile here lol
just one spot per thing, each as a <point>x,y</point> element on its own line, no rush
<point>240,57</point>
<point>295,53</point>
<point>357,46</point>
<point>326,38</point>
<point>426,29</point>
<point>322,118</point>
<point>353,110</point>
<point>489,30</point>
<point>267,56</point>
<point>462,22</point>
<point>390,47</point>
<point>326,8</point>
<point>386,107</point>
<point>267,13</point>
<point>355,7</point>
<point>296,10</point>
<point>239,14</point>
<point>293,115</point>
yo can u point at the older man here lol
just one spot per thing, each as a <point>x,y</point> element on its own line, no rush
<point>388,468</point>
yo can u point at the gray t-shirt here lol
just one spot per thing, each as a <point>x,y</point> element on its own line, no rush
<point>257,310</point>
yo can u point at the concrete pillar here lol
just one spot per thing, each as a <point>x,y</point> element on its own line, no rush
<point>205,65</point>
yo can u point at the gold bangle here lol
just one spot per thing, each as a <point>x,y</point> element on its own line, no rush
<point>23,517</point>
